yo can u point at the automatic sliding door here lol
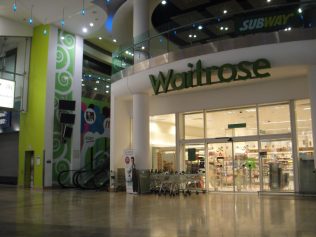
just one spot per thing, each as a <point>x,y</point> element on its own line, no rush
<point>220,167</point>
<point>246,165</point>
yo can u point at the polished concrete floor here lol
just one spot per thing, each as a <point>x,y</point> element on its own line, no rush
<point>58,213</point>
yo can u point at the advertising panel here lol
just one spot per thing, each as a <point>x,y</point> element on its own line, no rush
<point>7,93</point>
<point>129,160</point>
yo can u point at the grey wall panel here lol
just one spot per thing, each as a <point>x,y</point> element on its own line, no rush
<point>9,154</point>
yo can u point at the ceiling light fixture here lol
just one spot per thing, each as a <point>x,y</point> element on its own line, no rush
<point>62,37</point>
<point>222,28</point>
<point>95,88</point>
<point>14,6</point>
<point>107,92</point>
<point>91,24</point>
<point>226,28</point>
<point>143,47</point>
<point>84,30</point>
<point>300,10</point>
<point>163,2</point>
<point>194,36</point>
<point>82,84</point>
<point>114,40</point>
<point>107,86</point>
<point>62,22</point>
<point>31,17</point>
<point>83,12</point>
<point>100,38</point>
<point>200,27</point>
<point>97,82</point>
<point>190,36</point>
<point>268,0</point>
<point>225,11</point>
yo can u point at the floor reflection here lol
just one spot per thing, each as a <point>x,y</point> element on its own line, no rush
<point>76,213</point>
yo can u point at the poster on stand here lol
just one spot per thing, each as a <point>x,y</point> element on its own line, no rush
<point>129,165</point>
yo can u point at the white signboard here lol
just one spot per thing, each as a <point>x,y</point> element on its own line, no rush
<point>7,93</point>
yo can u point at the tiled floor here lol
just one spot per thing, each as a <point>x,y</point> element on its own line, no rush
<point>58,213</point>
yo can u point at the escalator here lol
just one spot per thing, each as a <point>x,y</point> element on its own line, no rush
<point>87,177</point>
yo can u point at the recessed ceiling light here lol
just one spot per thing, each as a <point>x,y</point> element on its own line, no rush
<point>225,11</point>
<point>107,86</point>
<point>268,0</point>
<point>91,24</point>
<point>107,92</point>
<point>84,30</point>
<point>62,37</point>
<point>194,36</point>
<point>163,2</point>
<point>89,75</point>
<point>200,27</point>
<point>97,82</point>
<point>143,47</point>
<point>114,40</point>
<point>81,79</point>
<point>82,84</point>
<point>300,10</point>
<point>222,28</point>
<point>95,88</point>
<point>226,28</point>
<point>190,36</point>
<point>100,38</point>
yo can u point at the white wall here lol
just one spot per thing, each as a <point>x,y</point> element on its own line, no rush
<point>12,28</point>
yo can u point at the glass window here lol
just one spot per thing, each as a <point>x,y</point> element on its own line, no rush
<point>304,129</point>
<point>163,142</point>
<point>194,126</point>
<point>274,119</point>
<point>194,159</point>
<point>232,123</point>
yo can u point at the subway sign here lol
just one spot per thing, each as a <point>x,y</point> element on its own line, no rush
<point>268,22</point>
<point>197,75</point>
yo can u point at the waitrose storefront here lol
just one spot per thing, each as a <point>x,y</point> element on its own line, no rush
<point>242,118</point>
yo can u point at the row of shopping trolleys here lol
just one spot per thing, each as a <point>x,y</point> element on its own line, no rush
<point>166,183</point>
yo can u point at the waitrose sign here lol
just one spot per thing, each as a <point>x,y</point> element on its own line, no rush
<point>197,75</point>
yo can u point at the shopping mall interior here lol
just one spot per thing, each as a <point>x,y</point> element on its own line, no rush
<point>157,118</point>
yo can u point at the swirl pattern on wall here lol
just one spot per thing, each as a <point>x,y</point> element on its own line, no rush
<point>65,61</point>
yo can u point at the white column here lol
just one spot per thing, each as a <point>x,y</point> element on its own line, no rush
<point>75,146</point>
<point>312,95</point>
<point>141,131</point>
<point>140,29</point>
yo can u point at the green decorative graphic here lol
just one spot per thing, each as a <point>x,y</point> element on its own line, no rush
<point>65,61</point>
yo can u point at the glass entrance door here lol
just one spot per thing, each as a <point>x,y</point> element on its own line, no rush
<point>220,167</point>
<point>247,167</point>
<point>277,165</point>
<point>233,166</point>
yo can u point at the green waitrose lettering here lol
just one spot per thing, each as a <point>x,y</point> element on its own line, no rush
<point>226,73</point>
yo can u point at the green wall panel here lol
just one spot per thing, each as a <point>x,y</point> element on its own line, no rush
<point>32,123</point>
